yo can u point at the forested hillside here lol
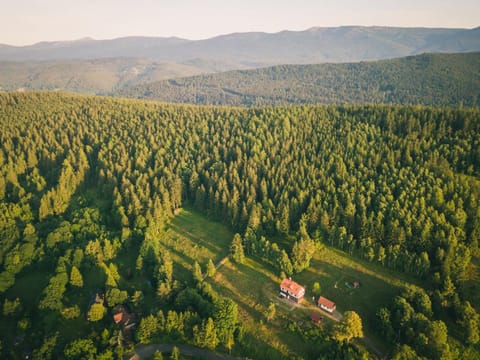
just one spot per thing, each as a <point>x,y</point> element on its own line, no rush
<point>429,79</point>
<point>90,188</point>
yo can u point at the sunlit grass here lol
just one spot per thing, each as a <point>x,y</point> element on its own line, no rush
<point>253,285</point>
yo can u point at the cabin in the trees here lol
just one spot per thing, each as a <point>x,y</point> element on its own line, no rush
<point>291,290</point>
<point>326,304</point>
<point>122,317</point>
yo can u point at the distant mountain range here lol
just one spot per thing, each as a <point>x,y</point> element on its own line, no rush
<point>315,45</point>
<point>429,79</point>
<point>125,65</point>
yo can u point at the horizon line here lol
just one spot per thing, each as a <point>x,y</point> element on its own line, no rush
<point>90,38</point>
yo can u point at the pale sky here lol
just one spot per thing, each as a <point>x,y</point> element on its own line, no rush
<point>24,22</point>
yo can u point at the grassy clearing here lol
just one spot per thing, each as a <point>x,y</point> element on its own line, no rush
<point>253,285</point>
<point>336,272</point>
<point>29,287</point>
<point>189,237</point>
<point>192,237</point>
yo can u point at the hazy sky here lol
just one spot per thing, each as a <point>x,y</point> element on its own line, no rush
<point>28,21</point>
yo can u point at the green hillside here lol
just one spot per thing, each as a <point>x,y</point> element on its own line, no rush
<point>429,79</point>
<point>127,223</point>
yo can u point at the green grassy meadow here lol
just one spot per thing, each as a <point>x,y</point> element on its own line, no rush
<point>254,284</point>
<point>334,269</point>
<point>193,237</point>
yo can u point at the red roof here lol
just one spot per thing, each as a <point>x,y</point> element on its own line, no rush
<point>325,302</point>
<point>291,286</point>
<point>118,317</point>
<point>315,317</point>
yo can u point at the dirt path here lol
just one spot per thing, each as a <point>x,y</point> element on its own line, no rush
<point>221,262</point>
<point>371,345</point>
<point>335,316</point>
<point>144,351</point>
<point>218,265</point>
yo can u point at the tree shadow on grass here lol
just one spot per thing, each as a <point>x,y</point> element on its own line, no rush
<point>218,250</point>
<point>255,348</point>
<point>336,280</point>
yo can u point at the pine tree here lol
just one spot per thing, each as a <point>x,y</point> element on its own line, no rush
<point>175,354</point>
<point>147,328</point>
<point>284,263</point>
<point>211,268</point>
<point>302,253</point>
<point>236,249</point>
<point>76,278</point>
<point>206,335</point>
<point>197,272</point>
<point>226,321</point>
<point>470,323</point>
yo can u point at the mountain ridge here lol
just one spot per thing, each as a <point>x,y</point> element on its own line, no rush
<point>310,29</point>
<point>428,79</point>
<point>313,45</point>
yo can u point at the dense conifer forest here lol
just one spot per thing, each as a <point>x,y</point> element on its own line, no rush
<point>90,187</point>
<point>427,79</point>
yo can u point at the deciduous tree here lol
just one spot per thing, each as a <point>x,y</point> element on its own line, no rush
<point>97,312</point>
<point>349,327</point>
<point>270,312</point>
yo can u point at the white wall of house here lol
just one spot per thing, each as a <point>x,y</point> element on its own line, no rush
<point>326,308</point>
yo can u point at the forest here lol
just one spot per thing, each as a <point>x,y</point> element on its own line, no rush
<point>427,79</point>
<point>91,188</point>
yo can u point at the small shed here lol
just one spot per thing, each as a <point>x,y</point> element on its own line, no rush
<point>326,304</point>
<point>316,318</point>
